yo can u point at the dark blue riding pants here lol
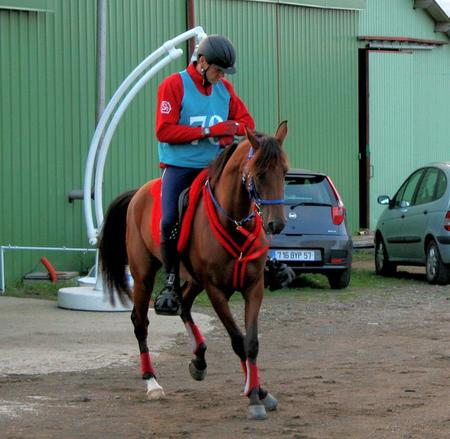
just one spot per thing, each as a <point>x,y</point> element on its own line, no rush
<point>174,180</point>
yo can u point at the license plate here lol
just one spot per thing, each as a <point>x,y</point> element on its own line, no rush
<point>295,255</point>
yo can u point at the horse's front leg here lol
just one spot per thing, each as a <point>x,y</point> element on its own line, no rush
<point>260,400</point>
<point>197,366</point>
<point>257,401</point>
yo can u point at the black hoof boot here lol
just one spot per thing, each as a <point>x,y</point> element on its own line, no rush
<point>168,303</point>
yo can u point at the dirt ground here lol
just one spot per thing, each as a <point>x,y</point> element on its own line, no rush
<point>368,365</point>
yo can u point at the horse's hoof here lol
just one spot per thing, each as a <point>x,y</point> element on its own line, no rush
<point>154,390</point>
<point>269,402</point>
<point>197,374</point>
<point>155,394</point>
<point>257,412</point>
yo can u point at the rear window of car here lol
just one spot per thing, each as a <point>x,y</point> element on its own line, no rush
<point>308,189</point>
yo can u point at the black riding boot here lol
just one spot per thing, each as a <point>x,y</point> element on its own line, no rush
<point>168,301</point>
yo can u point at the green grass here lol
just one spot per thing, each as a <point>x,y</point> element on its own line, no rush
<point>308,286</point>
<point>38,289</point>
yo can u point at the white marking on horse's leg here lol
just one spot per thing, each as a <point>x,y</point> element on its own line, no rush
<point>154,390</point>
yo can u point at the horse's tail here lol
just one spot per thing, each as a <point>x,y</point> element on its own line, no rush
<point>112,247</point>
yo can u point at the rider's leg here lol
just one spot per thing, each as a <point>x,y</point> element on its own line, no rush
<point>174,181</point>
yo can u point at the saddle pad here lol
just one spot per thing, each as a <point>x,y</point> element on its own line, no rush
<point>194,195</point>
<point>155,192</point>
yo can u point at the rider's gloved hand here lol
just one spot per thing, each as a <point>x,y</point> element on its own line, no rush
<point>227,128</point>
<point>225,141</point>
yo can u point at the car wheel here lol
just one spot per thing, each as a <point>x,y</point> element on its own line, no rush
<point>339,279</point>
<point>437,272</point>
<point>383,266</point>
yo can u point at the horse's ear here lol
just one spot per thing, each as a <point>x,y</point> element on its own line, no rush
<point>281,131</point>
<point>251,138</point>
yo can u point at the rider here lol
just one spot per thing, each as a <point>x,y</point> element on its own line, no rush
<point>198,113</point>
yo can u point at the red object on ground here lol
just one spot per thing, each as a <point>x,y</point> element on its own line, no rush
<point>50,269</point>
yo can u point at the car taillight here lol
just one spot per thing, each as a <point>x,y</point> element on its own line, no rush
<point>338,214</point>
<point>447,221</point>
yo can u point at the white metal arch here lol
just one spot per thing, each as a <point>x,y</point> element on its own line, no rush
<point>104,131</point>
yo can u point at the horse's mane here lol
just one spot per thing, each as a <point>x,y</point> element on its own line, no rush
<point>216,167</point>
<point>268,153</point>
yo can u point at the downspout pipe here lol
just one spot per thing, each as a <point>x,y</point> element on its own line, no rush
<point>100,80</point>
<point>190,24</point>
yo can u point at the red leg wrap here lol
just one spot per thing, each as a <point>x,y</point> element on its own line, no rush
<point>252,379</point>
<point>196,336</point>
<point>146,364</point>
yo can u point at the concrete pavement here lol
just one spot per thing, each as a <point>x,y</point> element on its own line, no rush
<point>38,337</point>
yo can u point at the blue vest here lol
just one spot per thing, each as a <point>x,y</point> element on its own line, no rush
<point>197,110</point>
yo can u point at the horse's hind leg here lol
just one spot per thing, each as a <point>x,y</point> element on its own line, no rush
<point>197,366</point>
<point>143,285</point>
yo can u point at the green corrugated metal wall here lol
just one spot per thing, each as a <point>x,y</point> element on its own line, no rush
<point>47,95</point>
<point>397,18</point>
<point>318,94</point>
<point>300,64</point>
<point>252,27</point>
<point>414,88</point>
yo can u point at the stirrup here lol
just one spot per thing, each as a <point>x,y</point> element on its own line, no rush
<point>168,302</point>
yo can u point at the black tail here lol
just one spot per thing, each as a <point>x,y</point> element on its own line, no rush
<point>112,247</point>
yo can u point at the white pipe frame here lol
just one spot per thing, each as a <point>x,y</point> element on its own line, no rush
<point>101,139</point>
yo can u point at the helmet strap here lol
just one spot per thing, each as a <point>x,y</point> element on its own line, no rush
<point>205,82</point>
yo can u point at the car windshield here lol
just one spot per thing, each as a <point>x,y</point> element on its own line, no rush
<point>308,190</point>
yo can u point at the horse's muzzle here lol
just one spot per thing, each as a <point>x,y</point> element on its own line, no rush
<point>274,227</point>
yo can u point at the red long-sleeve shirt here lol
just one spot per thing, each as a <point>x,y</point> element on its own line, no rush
<point>170,97</point>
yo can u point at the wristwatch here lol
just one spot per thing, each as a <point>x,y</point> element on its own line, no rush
<point>206,131</point>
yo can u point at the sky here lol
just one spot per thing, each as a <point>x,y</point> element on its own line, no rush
<point>445,5</point>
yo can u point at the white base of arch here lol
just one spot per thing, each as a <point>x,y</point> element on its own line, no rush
<point>87,298</point>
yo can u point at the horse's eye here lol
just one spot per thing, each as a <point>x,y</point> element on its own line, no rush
<point>262,178</point>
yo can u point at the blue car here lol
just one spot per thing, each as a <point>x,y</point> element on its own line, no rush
<point>414,228</point>
<point>316,238</point>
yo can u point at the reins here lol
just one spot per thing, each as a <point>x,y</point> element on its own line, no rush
<point>249,250</point>
<point>238,223</point>
<point>242,254</point>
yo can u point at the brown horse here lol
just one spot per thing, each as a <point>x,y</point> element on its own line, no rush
<point>224,251</point>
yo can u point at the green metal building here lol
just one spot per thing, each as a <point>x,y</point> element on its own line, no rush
<point>405,95</point>
<point>297,60</point>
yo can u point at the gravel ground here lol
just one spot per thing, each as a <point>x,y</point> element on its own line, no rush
<point>367,365</point>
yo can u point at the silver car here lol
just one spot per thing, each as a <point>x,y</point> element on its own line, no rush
<point>414,229</point>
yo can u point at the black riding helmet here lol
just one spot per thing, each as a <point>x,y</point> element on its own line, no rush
<point>218,50</point>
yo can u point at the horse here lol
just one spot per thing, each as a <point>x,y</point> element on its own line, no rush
<point>239,198</point>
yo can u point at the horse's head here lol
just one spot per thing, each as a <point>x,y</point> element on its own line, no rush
<point>264,176</point>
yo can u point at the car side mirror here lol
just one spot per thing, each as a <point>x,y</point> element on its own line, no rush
<point>384,200</point>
